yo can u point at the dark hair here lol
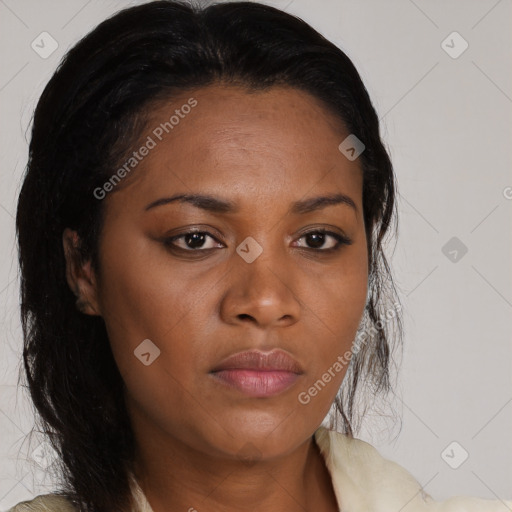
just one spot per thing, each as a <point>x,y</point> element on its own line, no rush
<point>90,113</point>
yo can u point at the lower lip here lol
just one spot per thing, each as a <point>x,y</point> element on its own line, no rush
<point>257,383</point>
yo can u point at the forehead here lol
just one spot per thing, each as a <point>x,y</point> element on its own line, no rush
<point>233,116</point>
<point>239,141</point>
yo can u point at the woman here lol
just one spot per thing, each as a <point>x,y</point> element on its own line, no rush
<point>200,233</point>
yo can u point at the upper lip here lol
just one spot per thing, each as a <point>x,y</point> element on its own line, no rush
<point>277,360</point>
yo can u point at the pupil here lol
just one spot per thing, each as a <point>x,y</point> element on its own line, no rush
<point>195,237</point>
<point>319,237</point>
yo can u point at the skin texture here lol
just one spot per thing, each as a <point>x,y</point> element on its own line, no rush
<point>262,150</point>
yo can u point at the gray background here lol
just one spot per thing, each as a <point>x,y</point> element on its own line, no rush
<point>447,123</point>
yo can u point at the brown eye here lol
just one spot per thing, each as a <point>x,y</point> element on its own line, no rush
<point>192,241</point>
<point>316,240</point>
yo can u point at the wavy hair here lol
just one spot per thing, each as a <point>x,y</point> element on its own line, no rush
<point>91,112</point>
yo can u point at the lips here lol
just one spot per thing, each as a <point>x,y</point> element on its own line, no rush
<point>276,360</point>
<point>258,374</point>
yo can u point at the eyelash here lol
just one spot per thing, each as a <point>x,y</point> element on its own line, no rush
<point>340,239</point>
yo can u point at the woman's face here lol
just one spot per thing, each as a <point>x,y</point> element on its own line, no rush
<point>251,279</point>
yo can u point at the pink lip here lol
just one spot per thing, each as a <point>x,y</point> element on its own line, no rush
<point>258,383</point>
<point>258,374</point>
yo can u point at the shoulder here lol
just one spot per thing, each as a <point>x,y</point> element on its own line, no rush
<point>44,503</point>
<point>363,479</point>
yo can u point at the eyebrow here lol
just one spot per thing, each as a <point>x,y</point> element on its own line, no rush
<point>218,205</point>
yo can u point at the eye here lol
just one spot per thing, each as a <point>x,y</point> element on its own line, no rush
<point>192,241</point>
<point>317,239</point>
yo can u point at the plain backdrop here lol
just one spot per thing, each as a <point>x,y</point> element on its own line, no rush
<point>446,114</point>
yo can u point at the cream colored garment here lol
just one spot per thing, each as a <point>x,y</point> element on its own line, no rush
<point>362,479</point>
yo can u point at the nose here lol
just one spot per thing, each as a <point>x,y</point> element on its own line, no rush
<point>263,292</point>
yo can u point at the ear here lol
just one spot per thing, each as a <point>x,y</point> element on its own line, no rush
<point>79,275</point>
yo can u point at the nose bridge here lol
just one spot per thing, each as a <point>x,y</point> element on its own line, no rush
<point>261,285</point>
<point>260,264</point>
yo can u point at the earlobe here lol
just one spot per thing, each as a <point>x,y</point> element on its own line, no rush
<point>79,275</point>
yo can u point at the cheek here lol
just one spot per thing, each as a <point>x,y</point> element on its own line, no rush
<point>143,298</point>
<point>140,285</point>
<point>338,293</point>
<point>160,375</point>
<point>336,299</point>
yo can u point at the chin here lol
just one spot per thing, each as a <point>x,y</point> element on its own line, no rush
<point>260,434</point>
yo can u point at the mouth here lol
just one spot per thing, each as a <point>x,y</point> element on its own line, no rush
<point>258,374</point>
<point>257,383</point>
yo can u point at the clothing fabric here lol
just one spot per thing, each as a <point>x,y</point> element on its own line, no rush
<point>363,481</point>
